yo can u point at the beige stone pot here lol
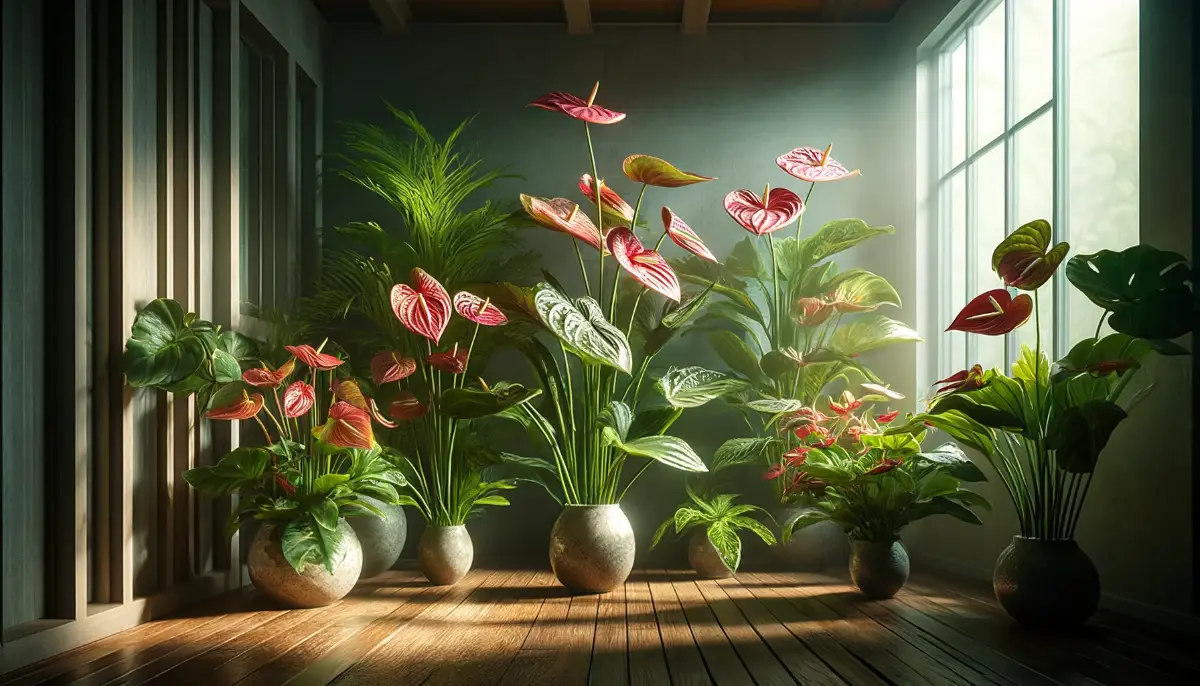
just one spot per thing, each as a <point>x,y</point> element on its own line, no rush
<point>272,574</point>
<point>445,554</point>
<point>592,548</point>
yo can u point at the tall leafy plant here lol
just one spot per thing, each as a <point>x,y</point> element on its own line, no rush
<point>1043,427</point>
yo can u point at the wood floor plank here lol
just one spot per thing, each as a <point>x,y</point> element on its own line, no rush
<point>717,645</point>
<point>557,651</point>
<point>610,657</point>
<point>647,661</point>
<point>684,661</point>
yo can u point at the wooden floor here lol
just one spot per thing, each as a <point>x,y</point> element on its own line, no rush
<point>520,627</point>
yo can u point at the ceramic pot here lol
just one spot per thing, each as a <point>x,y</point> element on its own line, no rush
<point>272,574</point>
<point>814,548</point>
<point>445,554</point>
<point>705,559</point>
<point>878,568</point>
<point>382,538</point>
<point>591,548</point>
<point>1043,582</point>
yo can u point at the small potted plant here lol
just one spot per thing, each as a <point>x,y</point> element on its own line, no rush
<point>715,546</point>
<point>872,485</point>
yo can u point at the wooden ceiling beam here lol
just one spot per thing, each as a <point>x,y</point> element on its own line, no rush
<point>579,16</point>
<point>839,10</point>
<point>695,16</point>
<point>393,14</point>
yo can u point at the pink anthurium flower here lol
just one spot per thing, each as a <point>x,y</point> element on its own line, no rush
<point>560,214</point>
<point>266,377</point>
<point>298,399</point>
<point>813,164</point>
<point>993,313</point>
<point>452,362</point>
<point>245,407</point>
<point>425,309</point>
<point>683,235</point>
<point>577,108</point>
<point>760,215</point>
<point>389,366</point>
<point>309,356</point>
<point>348,427</point>
<point>612,204</point>
<point>647,266</point>
<point>476,309</point>
<point>407,407</point>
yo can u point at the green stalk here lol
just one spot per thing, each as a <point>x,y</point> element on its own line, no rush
<point>587,286</point>
<point>775,328</point>
<point>1100,324</point>
<point>804,207</point>
<point>599,213</point>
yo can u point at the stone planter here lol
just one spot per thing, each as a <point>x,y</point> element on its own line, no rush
<point>878,568</point>
<point>591,548</point>
<point>272,574</point>
<point>382,538</point>
<point>705,559</point>
<point>814,548</point>
<point>1050,583</point>
<point>445,554</point>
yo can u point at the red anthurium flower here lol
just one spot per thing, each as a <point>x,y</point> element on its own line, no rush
<point>760,215</point>
<point>266,377</point>
<point>813,164</point>
<point>654,171</point>
<point>560,214</point>
<point>848,404</point>
<point>885,465</point>
<point>298,399</point>
<point>348,427</point>
<point>350,392</point>
<point>960,382</point>
<point>774,471</point>
<point>425,309</point>
<point>611,203</point>
<point>810,311</point>
<point>577,108</point>
<point>683,235</point>
<point>284,484</point>
<point>1024,259</point>
<point>389,366</point>
<point>993,313</point>
<point>830,440</point>
<point>244,408</point>
<point>797,455</point>
<point>854,433</point>
<point>647,266</point>
<point>309,356</point>
<point>817,430</point>
<point>452,362</point>
<point>407,407</point>
<point>477,309</point>
<point>887,417</point>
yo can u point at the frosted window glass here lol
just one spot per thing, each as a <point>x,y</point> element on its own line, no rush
<point>957,277</point>
<point>1033,55</point>
<point>1034,199</point>
<point>958,105</point>
<point>987,77</point>
<point>988,230</point>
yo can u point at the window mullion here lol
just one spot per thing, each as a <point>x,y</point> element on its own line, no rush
<point>971,134</point>
<point>1061,319</point>
<point>1010,153</point>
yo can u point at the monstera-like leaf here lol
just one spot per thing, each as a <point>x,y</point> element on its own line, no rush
<point>835,236</point>
<point>1147,290</point>
<point>1024,259</point>
<point>653,171</point>
<point>871,332</point>
<point>162,350</point>
<point>695,386</point>
<point>472,403</point>
<point>582,326</point>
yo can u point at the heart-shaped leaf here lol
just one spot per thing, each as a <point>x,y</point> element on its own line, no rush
<point>1115,353</point>
<point>304,542</point>
<point>1024,258</point>
<point>695,386</point>
<point>954,461</point>
<point>162,351</point>
<point>763,214</point>
<point>582,326</point>
<point>835,236</point>
<point>813,165</point>
<point>646,266</point>
<point>1078,434</point>
<point>737,451</point>
<point>1147,289</point>
<point>870,332</point>
<point>993,313</point>
<point>669,450</point>
<point>653,171</point>
<point>863,292</point>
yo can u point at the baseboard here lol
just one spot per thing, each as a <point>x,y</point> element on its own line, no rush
<point>1136,609</point>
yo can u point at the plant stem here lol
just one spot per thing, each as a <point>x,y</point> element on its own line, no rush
<point>587,286</point>
<point>1100,324</point>
<point>599,213</point>
<point>774,306</point>
<point>804,208</point>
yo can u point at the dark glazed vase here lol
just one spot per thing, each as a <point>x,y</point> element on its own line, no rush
<point>878,568</point>
<point>1046,583</point>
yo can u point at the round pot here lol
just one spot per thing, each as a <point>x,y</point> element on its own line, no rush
<point>878,568</point>
<point>705,559</point>
<point>382,538</point>
<point>272,574</point>
<point>1044,582</point>
<point>445,554</point>
<point>591,548</point>
<point>813,548</point>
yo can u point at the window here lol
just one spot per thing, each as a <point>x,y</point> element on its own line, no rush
<point>1036,118</point>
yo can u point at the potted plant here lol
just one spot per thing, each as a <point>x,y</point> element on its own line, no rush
<point>594,418</point>
<point>715,546</point>
<point>1043,427</point>
<point>790,324</point>
<point>872,486</point>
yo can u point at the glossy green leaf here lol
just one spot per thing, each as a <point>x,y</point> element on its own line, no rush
<point>225,367</point>
<point>304,542</point>
<point>735,451</point>
<point>1024,259</point>
<point>674,317</point>
<point>325,513</point>
<point>727,543</point>
<point>863,292</point>
<point>734,352</point>
<point>869,333</point>
<point>758,528</point>
<point>654,421</point>
<point>669,450</point>
<point>161,351</point>
<point>473,403</point>
<point>805,519</point>
<point>582,327</point>
<point>618,416</point>
<point>954,461</point>
<point>774,405</point>
<point>240,347</point>
<point>838,235</point>
<point>240,470</point>
<point>694,386</point>
<point>1078,434</point>
<point>1145,288</point>
<point>493,500</point>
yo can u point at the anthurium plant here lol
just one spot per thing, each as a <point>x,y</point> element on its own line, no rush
<point>315,467</point>
<point>594,417</point>
<point>722,522</point>
<point>870,484</point>
<point>1043,427</point>
<point>784,318</point>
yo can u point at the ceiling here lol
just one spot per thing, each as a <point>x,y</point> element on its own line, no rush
<point>578,16</point>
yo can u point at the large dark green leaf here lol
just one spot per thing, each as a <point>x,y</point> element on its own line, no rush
<point>694,386</point>
<point>472,403</point>
<point>1078,434</point>
<point>669,450</point>
<point>582,327</point>
<point>239,470</point>
<point>744,261</point>
<point>942,504</point>
<point>239,346</point>
<point>617,415</point>
<point>305,542</point>
<point>838,235</point>
<point>950,458</point>
<point>985,414</point>
<point>654,421</point>
<point>734,352</point>
<point>161,351</point>
<point>1146,289</point>
<point>673,318</point>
